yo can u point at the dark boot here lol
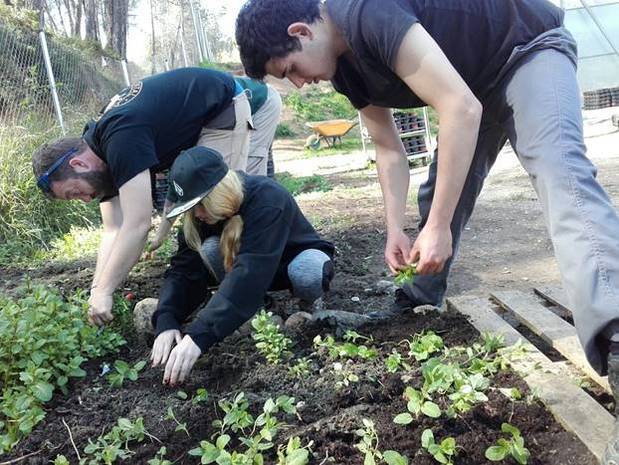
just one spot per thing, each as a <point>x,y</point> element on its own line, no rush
<point>401,304</point>
<point>611,455</point>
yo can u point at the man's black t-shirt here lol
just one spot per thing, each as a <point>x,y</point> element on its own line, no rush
<point>477,36</point>
<point>147,125</point>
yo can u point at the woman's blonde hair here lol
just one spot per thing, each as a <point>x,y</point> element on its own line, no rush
<point>222,203</point>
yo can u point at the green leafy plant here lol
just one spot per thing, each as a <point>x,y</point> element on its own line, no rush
<point>423,345</point>
<point>255,440</point>
<point>270,341</point>
<point>200,396</point>
<point>301,368</point>
<point>513,445</point>
<point>416,405</point>
<point>294,453</point>
<point>469,393</point>
<point>106,449</point>
<point>61,460</point>
<point>348,349</point>
<point>442,452</point>
<point>405,276</point>
<point>395,362</point>
<point>44,340</point>
<point>344,377</point>
<point>368,446</point>
<point>124,371</point>
<point>179,426</point>
<point>159,459</point>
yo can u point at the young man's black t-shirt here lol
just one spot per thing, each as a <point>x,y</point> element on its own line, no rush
<point>148,124</point>
<point>477,36</point>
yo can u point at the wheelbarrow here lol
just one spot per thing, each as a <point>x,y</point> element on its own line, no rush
<point>330,131</point>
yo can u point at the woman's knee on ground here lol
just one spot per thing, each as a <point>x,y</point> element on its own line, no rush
<point>310,273</point>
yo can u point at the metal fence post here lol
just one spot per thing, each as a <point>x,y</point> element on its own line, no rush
<point>52,82</point>
<point>196,30</point>
<point>123,63</point>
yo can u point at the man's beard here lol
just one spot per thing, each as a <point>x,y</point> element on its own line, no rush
<point>100,181</point>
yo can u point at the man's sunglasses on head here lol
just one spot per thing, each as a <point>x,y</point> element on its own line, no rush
<point>43,181</point>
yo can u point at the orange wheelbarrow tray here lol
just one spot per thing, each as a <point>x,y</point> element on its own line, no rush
<point>330,131</point>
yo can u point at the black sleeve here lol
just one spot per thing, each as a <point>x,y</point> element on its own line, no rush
<point>264,237</point>
<point>382,26</point>
<point>184,288</point>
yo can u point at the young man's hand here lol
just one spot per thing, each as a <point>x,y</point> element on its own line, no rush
<point>182,359</point>
<point>431,250</point>
<point>100,308</point>
<point>397,250</point>
<point>163,346</point>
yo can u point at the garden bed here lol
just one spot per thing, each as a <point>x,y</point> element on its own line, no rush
<point>329,414</point>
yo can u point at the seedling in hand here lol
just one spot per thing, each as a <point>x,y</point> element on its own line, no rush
<point>406,276</point>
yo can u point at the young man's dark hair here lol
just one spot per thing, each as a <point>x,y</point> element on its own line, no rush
<point>262,30</point>
<point>46,155</point>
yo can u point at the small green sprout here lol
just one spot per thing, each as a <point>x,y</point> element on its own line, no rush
<point>442,452</point>
<point>179,426</point>
<point>294,453</point>
<point>416,405</point>
<point>270,341</point>
<point>406,275</point>
<point>124,371</point>
<point>513,446</point>
<point>200,396</point>
<point>158,459</point>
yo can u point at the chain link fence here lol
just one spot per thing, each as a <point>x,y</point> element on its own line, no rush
<point>83,81</point>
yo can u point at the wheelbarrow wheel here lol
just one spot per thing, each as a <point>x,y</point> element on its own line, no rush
<point>313,142</point>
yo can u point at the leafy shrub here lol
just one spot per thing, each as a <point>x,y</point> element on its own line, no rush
<point>43,342</point>
<point>319,104</point>
<point>302,184</point>
<point>284,130</point>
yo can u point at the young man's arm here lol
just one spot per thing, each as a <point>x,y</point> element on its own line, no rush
<point>136,205</point>
<point>393,175</point>
<point>423,66</point>
<point>112,217</point>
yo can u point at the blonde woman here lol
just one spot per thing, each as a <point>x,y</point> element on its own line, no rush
<point>244,233</point>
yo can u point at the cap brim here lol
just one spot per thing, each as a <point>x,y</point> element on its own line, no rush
<point>182,208</point>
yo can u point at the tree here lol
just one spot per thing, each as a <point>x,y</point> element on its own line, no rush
<point>115,18</point>
<point>91,14</point>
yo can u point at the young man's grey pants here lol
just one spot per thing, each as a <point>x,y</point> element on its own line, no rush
<point>537,107</point>
<point>305,271</point>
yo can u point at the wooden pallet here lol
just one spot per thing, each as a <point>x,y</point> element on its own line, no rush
<point>573,408</point>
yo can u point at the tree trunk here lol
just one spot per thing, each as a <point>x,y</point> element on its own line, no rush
<point>92,20</point>
<point>116,14</point>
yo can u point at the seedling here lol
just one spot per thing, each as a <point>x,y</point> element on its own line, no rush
<point>369,443</point>
<point>182,395</point>
<point>115,444</point>
<point>237,416</point>
<point>179,426</point>
<point>348,349</point>
<point>442,452</point>
<point>270,341</point>
<point>344,376</point>
<point>405,275</point>
<point>423,345</point>
<point>470,393</point>
<point>294,453</point>
<point>394,362</point>
<point>513,445</point>
<point>301,368</point>
<point>124,371</point>
<point>200,396</point>
<point>61,460</point>
<point>512,394</point>
<point>369,447</point>
<point>159,458</point>
<point>416,405</point>
<point>213,452</point>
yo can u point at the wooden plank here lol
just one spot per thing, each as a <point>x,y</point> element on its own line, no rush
<point>554,330</point>
<point>556,296</point>
<point>573,408</point>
